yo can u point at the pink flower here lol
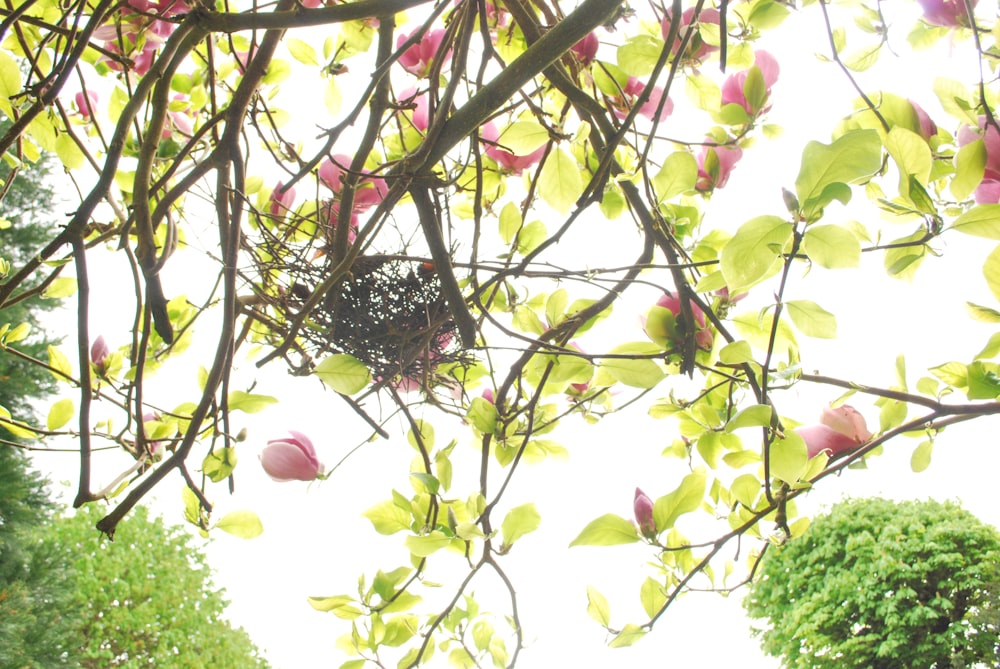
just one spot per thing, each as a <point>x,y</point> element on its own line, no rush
<point>988,191</point>
<point>418,59</point>
<point>488,395</point>
<point>86,104</point>
<point>632,90</point>
<point>642,506</point>
<point>586,49</point>
<point>504,158</point>
<point>419,115</point>
<point>330,211</point>
<point>291,459</point>
<point>99,352</point>
<point>662,328</point>
<point>697,48</point>
<point>715,164</point>
<point>733,87</point>
<point>841,430</point>
<point>946,13</point>
<point>927,127</point>
<point>281,200</point>
<point>369,191</point>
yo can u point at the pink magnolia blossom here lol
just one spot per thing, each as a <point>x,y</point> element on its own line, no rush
<point>99,352</point>
<point>988,191</point>
<point>504,158</point>
<point>281,200</point>
<point>330,211</point>
<point>418,59</point>
<point>697,48</point>
<point>291,459</point>
<point>418,117</point>
<point>946,13</point>
<point>642,507</point>
<point>86,104</point>
<point>155,448</point>
<point>369,191</point>
<point>586,49</point>
<point>715,164</point>
<point>664,331</point>
<point>488,395</point>
<point>927,127</point>
<point>840,430</point>
<point>732,87</point>
<point>632,90</point>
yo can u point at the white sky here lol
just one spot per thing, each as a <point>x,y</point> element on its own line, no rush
<point>316,542</point>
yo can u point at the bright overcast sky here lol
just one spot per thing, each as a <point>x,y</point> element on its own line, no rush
<point>316,542</point>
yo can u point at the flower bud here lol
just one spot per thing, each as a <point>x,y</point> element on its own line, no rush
<point>643,508</point>
<point>291,459</point>
<point>99,352</point>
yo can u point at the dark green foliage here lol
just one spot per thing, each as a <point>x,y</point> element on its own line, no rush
<point>146,599</point>
<point>35,619</point>
<point>26,225</point>
<point>884,585</point>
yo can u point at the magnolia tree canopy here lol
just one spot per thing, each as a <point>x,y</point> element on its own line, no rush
<point>436,209</point>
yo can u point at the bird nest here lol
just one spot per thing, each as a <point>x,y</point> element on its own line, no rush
<point>387,311</point>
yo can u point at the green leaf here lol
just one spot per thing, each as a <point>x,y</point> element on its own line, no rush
<point>753,251</point>
<point>685,499</point>
<point>736,353</point>
<point>955,374</point>
<point>652,597</point>
<point>10,83</point>
<point>981,221</point>
<point>629,635</point>
<point>523,137</point>
<point>991,270</point>
<point>757,330</point>
<point>598,607</point>
<point>984,384</point>
<point>560,183</point>
<point>746,488</point>
<point>758,415</point>
<point>812,320</point>
<point>519,521</point>
<point>703,92</point>
<point>638,55</point>
<point>69,152</point>
<point>344,373</point>
<point>954,98</point>
<point>16,334</point>
<point>921,458</point>
<point>424,546</point>
<point>635,372</point>
<point>342,606</point>
<point>219,464</point>
<point>831,246</point>
<point>242,524</point>
<point>530,237</point>
<point>902,261</point>
<point>425,483</point>
<point>301,51</point>
<point>608,530</point>
<point>15,428</point>
<point>852,157</point>
<point>510,222</point>
<point>61,367</point>
<point>982,314</point>
<point>64,286</point>
<point>60,414</point>
<point>388,517</point>
<point>970,166</point>
<point>249,403</point>
<point>678,175</point>
<point>482,415</point>
<point>789,457</point>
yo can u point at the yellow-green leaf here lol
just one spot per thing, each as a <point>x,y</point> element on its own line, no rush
<point>243,524</point>
<point>60,414</point>
<point>560,183</point>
